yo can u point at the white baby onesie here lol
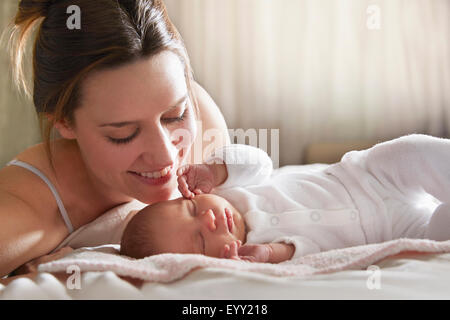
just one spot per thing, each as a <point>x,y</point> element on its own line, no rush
<point>310,209</point>
<point>401,187</point>
<point>386,192</point>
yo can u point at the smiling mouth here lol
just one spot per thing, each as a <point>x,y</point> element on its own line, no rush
<point>154,175</point>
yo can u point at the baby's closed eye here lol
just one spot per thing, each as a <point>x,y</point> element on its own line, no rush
<point>193,208</point>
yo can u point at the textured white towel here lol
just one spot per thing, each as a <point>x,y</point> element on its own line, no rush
<point>106,229</point>
<point>171,267</point>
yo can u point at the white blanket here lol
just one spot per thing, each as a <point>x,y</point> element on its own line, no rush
<point>405,276</point>
<point>171,267</point>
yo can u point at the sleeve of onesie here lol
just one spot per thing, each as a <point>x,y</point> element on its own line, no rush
<point>303,246</point>
<point>246,165</point>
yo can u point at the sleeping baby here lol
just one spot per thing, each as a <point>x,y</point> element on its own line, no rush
<point>234,206</point>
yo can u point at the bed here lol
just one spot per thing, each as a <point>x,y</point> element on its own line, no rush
<point>400,269</point>
<point>405,276</point>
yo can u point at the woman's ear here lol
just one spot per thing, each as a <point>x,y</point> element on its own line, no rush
<point>65,129</point>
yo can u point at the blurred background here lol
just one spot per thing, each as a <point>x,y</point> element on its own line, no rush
<point>331,75</point>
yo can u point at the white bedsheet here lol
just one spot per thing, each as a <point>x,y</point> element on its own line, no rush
<point>409,276</point>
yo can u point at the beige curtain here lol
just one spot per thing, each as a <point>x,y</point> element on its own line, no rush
<point>318,70</point>
<point>19,127</point>
<point>322,70</point>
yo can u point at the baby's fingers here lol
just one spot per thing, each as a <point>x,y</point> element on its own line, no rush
<point>247,258</point>
<point>224,253</point>
<point>184,188</point>
<point>229,251</point>
<point>183,170</point>
<point>234,249</point>
<point>198,191</point>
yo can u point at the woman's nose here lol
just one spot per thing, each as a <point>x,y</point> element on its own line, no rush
<point>159,148</point>
<point>209,220</point>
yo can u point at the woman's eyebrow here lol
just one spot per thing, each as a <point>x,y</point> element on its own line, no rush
<point>118,124</point>
<point>127,123</point>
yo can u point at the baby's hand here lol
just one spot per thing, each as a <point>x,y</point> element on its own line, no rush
<point>255,252</point>
<point>230,251</point>
<point>195,179</point>
<point>247,252</point>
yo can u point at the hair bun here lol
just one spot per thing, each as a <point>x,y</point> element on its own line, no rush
<point>36,6</point>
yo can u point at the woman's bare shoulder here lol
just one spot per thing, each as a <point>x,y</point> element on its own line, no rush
<point>27,208</point>
<point>68,175</point>
<point>32,155</point>
<point>35,156</point>
<point>26,185</point>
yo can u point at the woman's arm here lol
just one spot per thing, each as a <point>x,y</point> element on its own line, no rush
<point>212,128</point>
<point>24,233</point>
<point>29,270</point>
<point>16,234</point>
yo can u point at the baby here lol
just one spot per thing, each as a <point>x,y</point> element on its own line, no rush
<point>207,224</point>
<point>235,207</point>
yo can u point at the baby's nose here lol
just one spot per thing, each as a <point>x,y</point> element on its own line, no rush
<point>209,219</point>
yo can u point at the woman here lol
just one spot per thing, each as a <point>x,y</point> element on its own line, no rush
<point>119,90</point>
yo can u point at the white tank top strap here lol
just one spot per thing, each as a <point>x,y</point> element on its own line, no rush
<point>60,204</point>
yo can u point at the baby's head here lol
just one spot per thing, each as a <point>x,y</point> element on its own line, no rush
<point>201,225</point>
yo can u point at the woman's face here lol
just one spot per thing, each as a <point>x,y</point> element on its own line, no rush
<point>135,127</point>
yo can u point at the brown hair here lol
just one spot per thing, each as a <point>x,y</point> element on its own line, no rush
<point>112,33</point>
<point>141,233</point>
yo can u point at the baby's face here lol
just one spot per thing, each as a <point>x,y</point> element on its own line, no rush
<point>189,226</point>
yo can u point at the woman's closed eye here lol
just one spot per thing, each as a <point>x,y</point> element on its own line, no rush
<point>126,139</point>
<point>170,120</point>
<point>135,134</point>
